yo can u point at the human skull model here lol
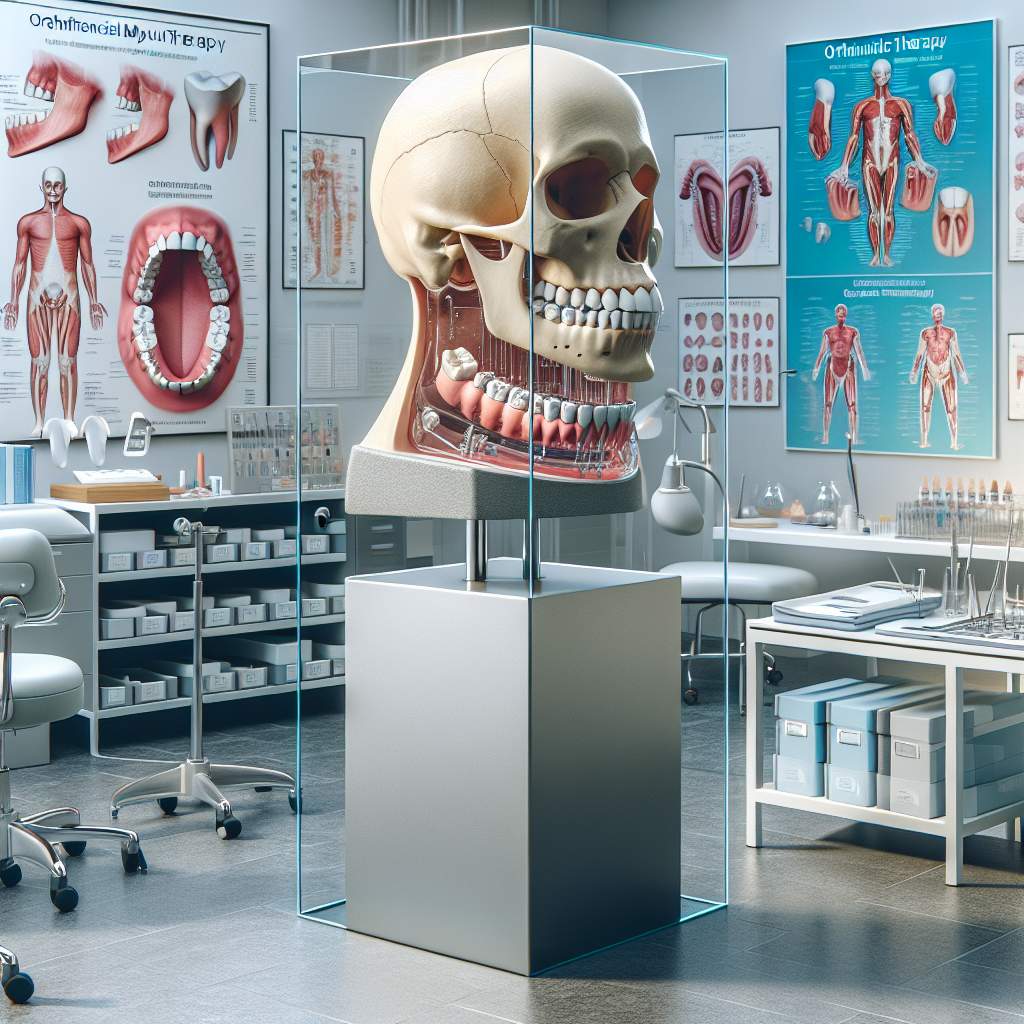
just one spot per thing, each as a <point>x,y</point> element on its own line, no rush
<point>451,199</point>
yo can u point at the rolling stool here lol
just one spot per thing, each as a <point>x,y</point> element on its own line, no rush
<point>197,778</point>
<point>703,585</point>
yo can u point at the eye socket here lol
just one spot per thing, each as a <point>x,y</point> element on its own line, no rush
<point>579,190</point>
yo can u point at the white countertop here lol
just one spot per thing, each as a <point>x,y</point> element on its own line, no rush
<point>815,537</point>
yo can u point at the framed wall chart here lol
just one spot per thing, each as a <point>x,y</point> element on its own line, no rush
<point>137,138</point>
<point>1015,377</point>
<point>891,159</point>
<point>1015,154</point>
<point>327,179</point>
<point>742,347</point>
<point>750,188</point>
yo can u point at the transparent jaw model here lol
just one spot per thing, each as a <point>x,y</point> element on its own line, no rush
<point>509,350</point>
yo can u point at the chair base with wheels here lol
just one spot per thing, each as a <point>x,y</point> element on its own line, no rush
<point>197,778</point>
<point>750,583</point>
<point>18,987</point>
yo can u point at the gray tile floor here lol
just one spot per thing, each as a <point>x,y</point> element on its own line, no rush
<point>829,923</point>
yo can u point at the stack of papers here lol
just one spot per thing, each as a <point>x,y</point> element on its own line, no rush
<point>855,608</point>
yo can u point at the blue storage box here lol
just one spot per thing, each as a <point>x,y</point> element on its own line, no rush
<point>849,786</point>
<point>805,778</point>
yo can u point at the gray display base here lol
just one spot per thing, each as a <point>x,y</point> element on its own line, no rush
<point>398,484</point>
<point>512,777</point>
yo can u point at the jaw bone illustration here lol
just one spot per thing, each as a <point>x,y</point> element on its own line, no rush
<point>748,179</point>
<point>213,110</point>
<point>180,326</point>
<point>819,131</point>
<point>941,86</point>
<point>953,222</point>
<point>72,93</point>
<point>450,196</point>
<point>139,91</point>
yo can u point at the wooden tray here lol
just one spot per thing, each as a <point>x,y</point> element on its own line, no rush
<point>102,494</point>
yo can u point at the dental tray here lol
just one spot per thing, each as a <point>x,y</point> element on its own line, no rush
<point>981,631</point>
<point>855,608</point>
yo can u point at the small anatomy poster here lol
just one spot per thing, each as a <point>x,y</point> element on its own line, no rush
<point>1015,153</point>
<point>749,191</point>
<point>741,347</point>
<point>324,186</point>
<point>1015,377</point>
<point>890,242</point>
<point>133,217</point>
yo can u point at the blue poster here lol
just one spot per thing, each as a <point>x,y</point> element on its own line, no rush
<point>890,242</point>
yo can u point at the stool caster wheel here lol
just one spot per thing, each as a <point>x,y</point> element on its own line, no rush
<point>690,696</point>
<point>773,677</point>
<point>293,801</point>
<point>62,896</point>
<point>167,804</point>
<point>74,847</point>
<point>10,874</point>
<point>132,862</point>
<point>262,789</point>
<point>229,828</point>
<point>19,988</point>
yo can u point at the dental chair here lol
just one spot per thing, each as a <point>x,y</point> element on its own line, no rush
<point>38,689</point>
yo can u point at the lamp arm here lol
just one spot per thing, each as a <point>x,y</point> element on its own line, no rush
<point>709,429</point>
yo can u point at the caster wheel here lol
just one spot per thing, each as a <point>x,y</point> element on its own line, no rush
<point>19,988</point>
<point>294,801</point>
<point>167,804</point>
<point>65,899</point>
<point>229,828</point>
<point>690,696</point>
<point>74,848</point>
<point>132,862</point>
<point>773,677</point>
<point>262,789</point>
<point>10,874</point>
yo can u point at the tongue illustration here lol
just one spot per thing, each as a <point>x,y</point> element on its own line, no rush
<point>181,311</point>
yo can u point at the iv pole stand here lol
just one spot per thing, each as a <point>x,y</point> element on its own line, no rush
<point>197,778</point>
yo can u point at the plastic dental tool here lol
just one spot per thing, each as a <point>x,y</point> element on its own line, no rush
<point>96,430</point>
<point>60,433</point>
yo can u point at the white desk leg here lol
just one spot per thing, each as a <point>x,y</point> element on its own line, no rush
<point>954,774</point>
<point>1013,832</point>
<point>755,737</point>
<point>871,666</point>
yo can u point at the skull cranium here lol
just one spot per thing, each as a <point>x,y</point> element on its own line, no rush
<point>456,203</point>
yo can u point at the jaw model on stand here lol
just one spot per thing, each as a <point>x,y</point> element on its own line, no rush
<point>450,191</point>
<point>213,110</point>
<point>72,93</point>
<point>180,327</point>
<point>139,91</point>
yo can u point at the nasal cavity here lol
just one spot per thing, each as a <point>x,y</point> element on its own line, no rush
<point>633,240</point>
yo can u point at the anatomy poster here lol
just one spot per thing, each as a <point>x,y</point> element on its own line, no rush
<point>746,343</point>
<point>1015,377</point>
<point>890,242</point>
<point>1015,154</point>
<point>750,190</point>
<point>324,186</point>
<point>133,218</point>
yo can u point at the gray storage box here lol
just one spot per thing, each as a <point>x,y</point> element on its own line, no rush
<point>313,607</point>
<point>116,629</point>
<point>177,557</point>
<point>983,710</point>
<point>114,694</point>
<point>805,778</point>
<point>318,668</point>
<point>117,561</point>
<point>850,786</point>
<point>216,553</point>
<point>284,548</point>
<point>928,799</point>
<point>272,648</point>
<point>151,625</point>
<point>278,675</point>
<point>247,614</point>
<point>215,682</point>
<point>882,784</point>
<point>249,677</point>
<point>255,551</point>
<point>111,541</point>
<point>282,610</point>
<point>156,559</point>
<point>911,759</point>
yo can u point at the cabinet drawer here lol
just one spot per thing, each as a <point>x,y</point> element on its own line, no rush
<point>72,559</point>
<point>69,637</point>
<point>79,590</point>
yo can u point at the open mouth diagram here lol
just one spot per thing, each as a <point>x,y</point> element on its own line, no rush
<point>139,92</point>
<point>180,328</point>
<point>70,93</point>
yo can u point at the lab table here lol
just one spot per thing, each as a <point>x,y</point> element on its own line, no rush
<point>954,658</point>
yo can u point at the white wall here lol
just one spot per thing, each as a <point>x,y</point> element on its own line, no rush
<point>299,27</point>
<point>753,36</point>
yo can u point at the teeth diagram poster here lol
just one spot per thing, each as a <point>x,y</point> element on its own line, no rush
<point>749,190</point>
<point>133,218</point>
<point>890,233</point>
<point>1015,154</point>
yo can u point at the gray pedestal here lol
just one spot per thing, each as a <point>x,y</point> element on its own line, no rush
<point>512,762</point>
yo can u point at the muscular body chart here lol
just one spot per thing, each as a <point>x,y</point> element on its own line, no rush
<point>938,362</point>
<point>53,240</point>
<point>882,119</point>
<point>840,352</point>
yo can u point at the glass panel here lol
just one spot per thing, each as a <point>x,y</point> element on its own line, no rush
<point>489,406</point>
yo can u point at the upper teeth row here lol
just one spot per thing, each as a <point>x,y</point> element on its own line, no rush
<point>16,120</point>
<point>126,104</point>
<point>38,92</point>
<point>639,301</point>
<point>207,261</point>
<point>182,240</point>
<point>116,133</point>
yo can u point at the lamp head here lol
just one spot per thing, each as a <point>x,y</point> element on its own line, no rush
<point>674,506</point>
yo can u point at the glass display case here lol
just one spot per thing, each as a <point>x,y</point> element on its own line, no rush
<point>483,233</point>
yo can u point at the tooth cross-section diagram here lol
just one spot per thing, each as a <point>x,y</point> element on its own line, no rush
<point>213,110</point>
<point>139,91</point>
<point>68,93</point>
<point>180,329</point>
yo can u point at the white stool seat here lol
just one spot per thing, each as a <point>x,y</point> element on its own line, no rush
<point>46,688</point>
<point>749,582</point>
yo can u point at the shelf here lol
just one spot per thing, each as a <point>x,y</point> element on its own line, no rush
<point>211,502</point>
<point>211,698</point>
<point>331,558</point>
<point>213,631</point>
